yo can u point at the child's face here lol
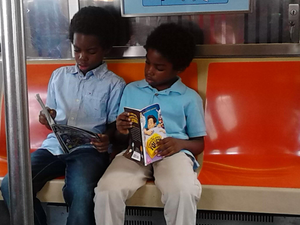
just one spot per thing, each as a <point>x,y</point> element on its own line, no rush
<point>151,123</point>
<point>159,72</point>
<point>88,52</point>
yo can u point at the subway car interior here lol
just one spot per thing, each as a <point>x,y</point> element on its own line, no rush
<point>246,70</point>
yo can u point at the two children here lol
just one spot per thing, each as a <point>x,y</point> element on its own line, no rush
<point>170,49</point>
<point>87,96</point>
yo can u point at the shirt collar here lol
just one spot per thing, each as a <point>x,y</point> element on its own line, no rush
<point>178,87</point>
<point>98,71</point>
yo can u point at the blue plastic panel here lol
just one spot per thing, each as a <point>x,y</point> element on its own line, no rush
<point>180,2</point>
<point>167,7</point>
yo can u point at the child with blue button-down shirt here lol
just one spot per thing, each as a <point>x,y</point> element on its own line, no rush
<point>170,49</point>
<point>85,95</point>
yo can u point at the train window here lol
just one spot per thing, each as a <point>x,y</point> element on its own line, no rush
<point>266,23</point>
<point>47,21</point>
<point>46,28</point>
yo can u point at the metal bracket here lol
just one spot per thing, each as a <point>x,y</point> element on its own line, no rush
<point>294,22</point>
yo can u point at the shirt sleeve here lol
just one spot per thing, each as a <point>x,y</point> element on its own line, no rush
<point>195,117</point>
<point>123,102</point>
<point>114,101</point>
<point>51,100</point>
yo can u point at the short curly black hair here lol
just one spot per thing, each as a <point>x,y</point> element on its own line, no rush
<point>153,118</point>
<point>96,21</point>
<point>174,42</point>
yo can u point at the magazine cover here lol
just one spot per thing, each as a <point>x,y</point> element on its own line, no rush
<point>69,137</point>
<point>148,129</point>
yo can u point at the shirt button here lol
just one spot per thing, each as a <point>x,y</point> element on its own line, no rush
<point>156,94</point>
<point>72,118</point>
<point>77,100</point>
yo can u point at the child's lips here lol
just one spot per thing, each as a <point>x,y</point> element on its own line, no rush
<point>83,67</point>
<point>148,79</point>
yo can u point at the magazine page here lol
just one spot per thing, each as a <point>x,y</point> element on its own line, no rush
<point>153,132</point>
<point>69,137</point>
<point>135,148</point>
<point>74,138</point>
<point>45,111</point>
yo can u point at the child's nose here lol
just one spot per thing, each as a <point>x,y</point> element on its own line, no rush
<point>82,56</point>
<point>150,70</point>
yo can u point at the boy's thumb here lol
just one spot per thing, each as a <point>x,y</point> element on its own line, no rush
<point>103,137</point>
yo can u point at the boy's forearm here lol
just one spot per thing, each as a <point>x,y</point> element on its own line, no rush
<point>121,139</point>
<point>194,145</point>
<point>110,131</point>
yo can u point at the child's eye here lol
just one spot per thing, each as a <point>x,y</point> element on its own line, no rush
<point>92,52</point>
<point>76,50</point>
<point>160,69</point>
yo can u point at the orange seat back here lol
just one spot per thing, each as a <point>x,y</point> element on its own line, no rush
<point>253,123</point>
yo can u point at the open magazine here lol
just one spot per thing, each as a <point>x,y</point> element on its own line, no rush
<point>69,137</point>
<point>148,129</point>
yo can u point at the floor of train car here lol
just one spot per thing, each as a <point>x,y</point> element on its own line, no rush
<point>57,214</point>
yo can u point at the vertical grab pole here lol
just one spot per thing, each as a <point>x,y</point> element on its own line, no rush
<point>16,112</point>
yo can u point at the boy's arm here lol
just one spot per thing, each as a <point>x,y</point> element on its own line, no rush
<point>43,120</point>
<point>106,138</point>
<point>169,146</point>
<point>120,140</point>
<point>110,131</point>
<point>50,103</point>
<point>123,124</point>
<point>114,101</point>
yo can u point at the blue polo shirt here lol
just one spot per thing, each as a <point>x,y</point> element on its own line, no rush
<point>181,108</point>
<point>88,101</point>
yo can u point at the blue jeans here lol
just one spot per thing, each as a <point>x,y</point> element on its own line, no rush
<point>82,170</point>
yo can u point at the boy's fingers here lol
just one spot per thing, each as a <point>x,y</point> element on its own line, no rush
<point>124,116</point>
<point>52,112</point>
<point>103,137</point>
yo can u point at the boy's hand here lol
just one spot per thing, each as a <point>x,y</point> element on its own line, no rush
<point>168,146</point>
<point>123,123</point>
<point>42,117</point>
<point>102,144</point>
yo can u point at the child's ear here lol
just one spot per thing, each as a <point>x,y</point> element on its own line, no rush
<point>106,51</point>
<point>179,71</point>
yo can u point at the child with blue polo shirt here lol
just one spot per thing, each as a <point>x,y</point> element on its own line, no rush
<point>170,49</point>
<point>85,95</point>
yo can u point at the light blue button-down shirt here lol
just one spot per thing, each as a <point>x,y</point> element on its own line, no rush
<point>89,102</point>
<point>181,108</point>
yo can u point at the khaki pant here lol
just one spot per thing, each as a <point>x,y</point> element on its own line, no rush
<point>174,176</point>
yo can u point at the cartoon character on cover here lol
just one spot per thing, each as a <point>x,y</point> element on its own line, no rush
<point>152,126</point>
<point>170,49</point>
<point>154,133</point>
<point>85,95</point>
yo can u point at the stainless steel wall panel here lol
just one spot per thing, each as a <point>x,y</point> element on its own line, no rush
<point>262,21</point>
<point>250,25</point>
<point>274,20</point>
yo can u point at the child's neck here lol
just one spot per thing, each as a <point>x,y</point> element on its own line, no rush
<point>84,73</point>
<point>167,85</point>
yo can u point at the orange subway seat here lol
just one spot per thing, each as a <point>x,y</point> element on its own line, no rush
<point>38,76</point>
<point>252,119</point>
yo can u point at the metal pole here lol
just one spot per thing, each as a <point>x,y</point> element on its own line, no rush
<point>16,112</point>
